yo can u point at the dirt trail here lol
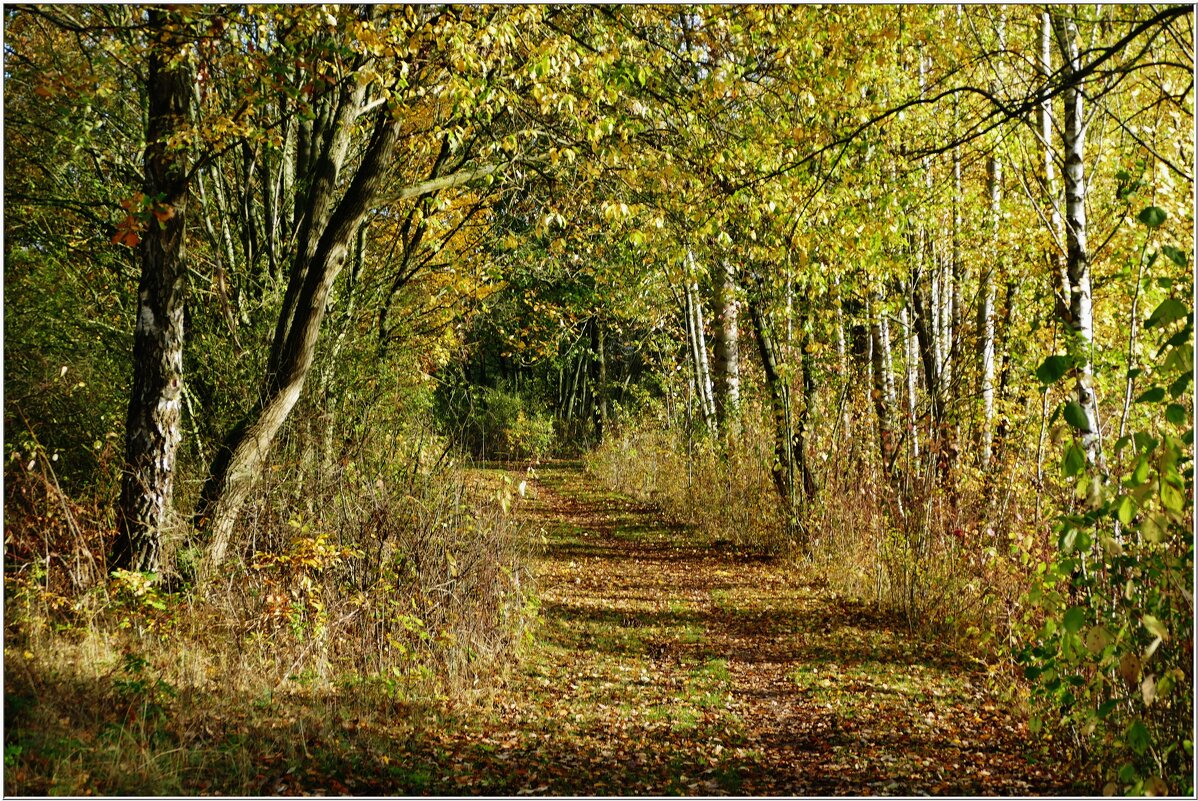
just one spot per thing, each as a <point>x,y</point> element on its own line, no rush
<point>662,667</point>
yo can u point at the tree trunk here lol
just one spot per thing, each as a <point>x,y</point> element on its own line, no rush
<point>242,461</point>
<point>1061,290</point>
<point>911,375</point>
<point>986,281</point>
<point>727,350</point>
<point>953,309</point>
<point>600,381</point>
<point>883,381</point>
<point>923,321</point>
<point>807,362</point>
<point>152,425</point>
<point>699,348</point>
<point>1081,310</point>
<point>329,142</point>
<point>986,297</point>
<point>783,470</point>
<point>842,362</point>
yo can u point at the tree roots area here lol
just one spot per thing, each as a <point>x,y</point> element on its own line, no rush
<point>658,665</point>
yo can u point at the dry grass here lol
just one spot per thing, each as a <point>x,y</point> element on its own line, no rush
<point>936,550</point>
<point>724,492</point>
<point>362,584</point>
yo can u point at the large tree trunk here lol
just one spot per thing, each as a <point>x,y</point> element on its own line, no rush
<point>152,425</point>
<point>1081,311</point>
<point>241,462</point>
<point>727,350</point>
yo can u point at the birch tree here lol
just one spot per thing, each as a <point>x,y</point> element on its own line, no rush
<point>1081,300</point>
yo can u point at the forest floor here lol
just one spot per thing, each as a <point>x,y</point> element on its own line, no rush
<point>666,667</point>
<point>659,666</point>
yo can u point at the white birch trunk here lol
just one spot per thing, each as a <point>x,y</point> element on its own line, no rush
<point>727,348</point>
<point>705,391</point>
<point>883,379</point>
<point>1081,308</point>
<point>911,370</point>
<point>1050,169</point>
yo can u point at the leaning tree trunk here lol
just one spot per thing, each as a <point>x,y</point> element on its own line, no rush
<point>1081,309</point>
<point>243,460</point>
<point>783,470</point>
<point>152,425</point>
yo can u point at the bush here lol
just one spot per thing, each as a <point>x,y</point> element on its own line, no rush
<point>496,423</point>
<point>726,494</point>
<point>1109,625</point>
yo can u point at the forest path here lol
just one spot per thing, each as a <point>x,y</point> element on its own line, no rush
<point>662,667</point>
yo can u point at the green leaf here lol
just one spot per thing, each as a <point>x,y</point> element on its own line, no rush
<point>1083,541</point>
<point>1178,387</point>
<point>1177,255</point>
<point>1068,541</point>
<point>1126,510</point>
<point>1153,528</point>
<point>1180,338</point>
<point>1154,395</point>
<point>1168,311</point>
<point>1075,415</point>
<point>1053,368</point>
<point>1139,473</point>
<point>1074,619</point>
<point>1153,216</point>
<point>1137,737</point>
<point>1074,462</point>
<point>1175,413</point>
<point>1171,497</point>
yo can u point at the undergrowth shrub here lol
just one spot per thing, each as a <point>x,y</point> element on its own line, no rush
<point>368,570</point>
<point>724,492</point>
<point>940,560</point>
<point>1108,635</point>
<point>382,560</point>
<point>495,422</point>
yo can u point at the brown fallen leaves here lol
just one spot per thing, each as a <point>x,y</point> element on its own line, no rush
<point>660,666</point>
<point>664,667</point>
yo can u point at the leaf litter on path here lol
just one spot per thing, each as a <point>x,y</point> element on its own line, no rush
<point>663,667</point>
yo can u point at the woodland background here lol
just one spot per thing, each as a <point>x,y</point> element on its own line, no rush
<point>900,296</point>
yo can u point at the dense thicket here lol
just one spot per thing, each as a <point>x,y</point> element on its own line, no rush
<point>903,292</point>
